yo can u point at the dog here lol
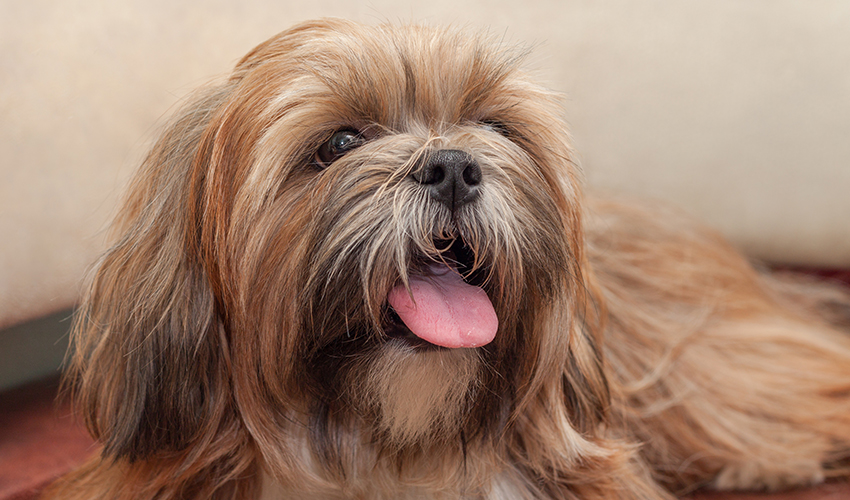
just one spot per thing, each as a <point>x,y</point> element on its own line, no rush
<point>363,266</point>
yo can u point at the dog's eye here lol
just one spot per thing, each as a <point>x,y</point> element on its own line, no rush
<point>498,126</point>
<point>340,143</point>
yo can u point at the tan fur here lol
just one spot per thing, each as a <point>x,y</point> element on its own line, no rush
<point>232,343</point>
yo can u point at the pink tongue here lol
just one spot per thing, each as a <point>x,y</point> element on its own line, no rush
<point>445,311</point>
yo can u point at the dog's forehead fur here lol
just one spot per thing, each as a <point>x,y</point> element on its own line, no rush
<point>391,75</point>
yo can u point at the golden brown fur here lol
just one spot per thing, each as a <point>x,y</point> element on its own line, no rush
<point>232,343</point>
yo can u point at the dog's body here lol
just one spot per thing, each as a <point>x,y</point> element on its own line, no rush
<point>363,268</point>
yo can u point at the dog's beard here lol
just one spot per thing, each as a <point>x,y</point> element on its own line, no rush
<point>417,395</point>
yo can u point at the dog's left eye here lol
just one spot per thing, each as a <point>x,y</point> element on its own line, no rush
<point>340,143</point>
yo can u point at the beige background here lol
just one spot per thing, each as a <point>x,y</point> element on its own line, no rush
<point>738,111</point>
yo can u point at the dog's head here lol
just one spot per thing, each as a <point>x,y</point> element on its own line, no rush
<point>369,232</point>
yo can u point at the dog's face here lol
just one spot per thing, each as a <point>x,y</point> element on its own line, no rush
<point>374,229</point>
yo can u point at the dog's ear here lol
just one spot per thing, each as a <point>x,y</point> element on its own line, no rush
<point>149,363</point>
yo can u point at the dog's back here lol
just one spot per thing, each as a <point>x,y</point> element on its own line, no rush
<point>725,373</point>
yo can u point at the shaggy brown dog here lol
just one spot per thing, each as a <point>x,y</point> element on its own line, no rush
<point>362,267</point>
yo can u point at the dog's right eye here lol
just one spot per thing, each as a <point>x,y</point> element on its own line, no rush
<point>341,142</point>
<point>498,126</point>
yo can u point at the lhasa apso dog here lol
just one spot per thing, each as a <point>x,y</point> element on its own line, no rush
<point>363,267</point>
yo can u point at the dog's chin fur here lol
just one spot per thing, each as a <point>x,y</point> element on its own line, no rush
<point>236,341</point>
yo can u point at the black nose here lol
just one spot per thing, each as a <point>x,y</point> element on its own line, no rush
<point>451,176</point>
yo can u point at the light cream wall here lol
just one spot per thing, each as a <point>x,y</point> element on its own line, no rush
<point>737,111</point>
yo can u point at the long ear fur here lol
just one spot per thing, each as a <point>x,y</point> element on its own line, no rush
<point>150,367</point>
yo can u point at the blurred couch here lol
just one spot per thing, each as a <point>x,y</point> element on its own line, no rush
<point>739,112</point>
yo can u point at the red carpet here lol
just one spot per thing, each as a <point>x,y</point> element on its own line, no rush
<point>39,440</point>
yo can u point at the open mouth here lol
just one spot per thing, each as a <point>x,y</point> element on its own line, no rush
<point>445,304</point>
